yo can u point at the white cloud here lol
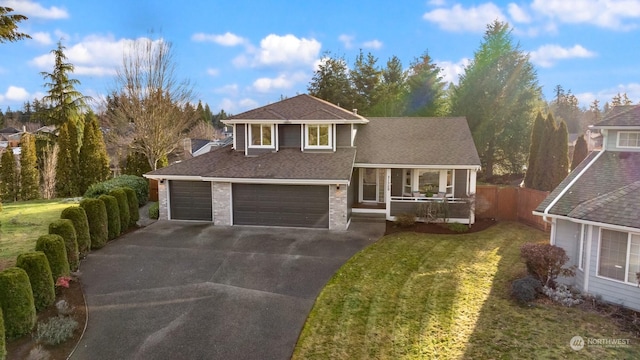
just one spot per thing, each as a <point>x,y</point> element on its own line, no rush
<point>33,9</point>
<point>437,2</point>
<point>461,19</point>
<point>632,90</point>
<point>229,90</point>
<point>236,107</point>
<point>346,40</point>
<point>278,50</point>
<point>213,72</point>
<point>42,38</point>
<point>372,44</point>
<point>518,14</point>
<point>15,93</point>
<point>603,13</point>
<point>226,39</point>
<point>281,82</point>
<point>451,71</point>
<point>548,55</point>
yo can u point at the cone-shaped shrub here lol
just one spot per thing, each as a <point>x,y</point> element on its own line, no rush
<point>134,212</point>
<point>64,228</point>
<point>16,301</point>
<point>53,247</point>
<point>113,216</point>
<point>36,265</point>
<point>123,207</point>
<point>3,348</point>
<point>78,217</point>
<point>97,218</point>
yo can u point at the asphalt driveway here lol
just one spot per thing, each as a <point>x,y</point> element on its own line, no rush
<point>182,290</point>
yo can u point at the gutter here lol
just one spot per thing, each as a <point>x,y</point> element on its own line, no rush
<point>564,191</point>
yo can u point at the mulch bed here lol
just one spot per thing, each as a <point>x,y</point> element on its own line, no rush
<point>21,347</point>
<point>431,228</point>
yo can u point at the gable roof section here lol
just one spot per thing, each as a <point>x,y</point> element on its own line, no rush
<point>417,141</point>
<point>286,164</point>
<point>606,192</point>
<point>298,108</point>
<point>621,116</point>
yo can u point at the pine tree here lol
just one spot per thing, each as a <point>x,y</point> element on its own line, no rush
<point>93,162</point>
<point>543,176</point>
<point>560,154</point>
<point>8,176</point>
<point>67,166</point>
<point>9,26</point>
<point>425,88</point>
<point>580,152</point>
<point>29,174</point>
<point>537,136</point>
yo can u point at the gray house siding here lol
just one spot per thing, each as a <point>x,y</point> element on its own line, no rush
<point>258,151</point>
<point>289,136</point>
<point>612,141</point>
<point>567,236</point>
<point>460,183</point>
<point>343,135</point>
<point>239,136</point>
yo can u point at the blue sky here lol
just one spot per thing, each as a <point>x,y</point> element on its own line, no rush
<point>241,54</point>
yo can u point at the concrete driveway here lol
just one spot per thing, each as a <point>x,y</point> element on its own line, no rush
<point>182,290</point>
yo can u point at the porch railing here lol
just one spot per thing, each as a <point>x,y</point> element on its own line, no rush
<point>456,208</point>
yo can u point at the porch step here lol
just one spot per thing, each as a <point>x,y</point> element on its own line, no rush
<point>367,217</point>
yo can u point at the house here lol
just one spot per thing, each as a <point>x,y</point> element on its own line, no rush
<point>595,213</point>
<point>304,162</point>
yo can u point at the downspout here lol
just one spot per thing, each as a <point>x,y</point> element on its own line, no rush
<point>564,191</point>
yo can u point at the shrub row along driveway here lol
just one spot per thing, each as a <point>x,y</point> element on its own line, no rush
<point>178,290</point>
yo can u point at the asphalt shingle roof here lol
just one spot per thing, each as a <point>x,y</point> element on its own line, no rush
<point>607,192</point>
<point>300,107</point>
<point>621,116</point>
<point>416,141</point>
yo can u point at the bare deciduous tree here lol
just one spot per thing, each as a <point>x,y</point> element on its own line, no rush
<point>148,115</point>
<point>50,160</point>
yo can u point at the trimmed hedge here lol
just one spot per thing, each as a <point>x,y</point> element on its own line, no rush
<point>78,217</point>
<point>134,212</point>
<point>97,218</point>
<point>113,216</point>
<point>3,348</point>
<point>53,247</point>
<point>36,265</point>
<point>16,301</point>
<point>64,228</point>
<point>123,208</point>
<point>154,211</point>
<point>139,184</point>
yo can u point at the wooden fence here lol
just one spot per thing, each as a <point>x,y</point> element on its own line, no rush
<point>510,203</point>
<point>153,190</point>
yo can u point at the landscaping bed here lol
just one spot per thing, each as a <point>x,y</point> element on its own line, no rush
<point>434,228</point>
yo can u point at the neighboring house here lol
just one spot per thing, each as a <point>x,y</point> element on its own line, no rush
<point>305,162</point>
<point>197,147</point>
<point>595,213</point>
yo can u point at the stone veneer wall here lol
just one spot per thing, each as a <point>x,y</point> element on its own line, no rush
<point>338,218</point>
<point>221,203</point>
<point>163,200</point>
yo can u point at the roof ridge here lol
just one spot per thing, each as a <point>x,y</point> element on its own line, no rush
<point>598,201</point>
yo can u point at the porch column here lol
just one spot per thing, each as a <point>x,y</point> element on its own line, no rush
<point>472,181</point>
<point>387,193</point>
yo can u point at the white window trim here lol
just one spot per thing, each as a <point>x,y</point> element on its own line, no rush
<point>626,269</point>
<point>626,132</point>
<point>329,132</point>
<point>581,248</point>
<point>250,137</point>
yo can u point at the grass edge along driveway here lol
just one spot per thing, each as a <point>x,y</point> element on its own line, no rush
<point>420,296</point>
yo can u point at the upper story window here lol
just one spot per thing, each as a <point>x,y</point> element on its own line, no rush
<point>319,136</point>
<point>261,135</point>
<point>628,139</point>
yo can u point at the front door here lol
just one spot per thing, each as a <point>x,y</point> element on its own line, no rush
<point>370,185</point>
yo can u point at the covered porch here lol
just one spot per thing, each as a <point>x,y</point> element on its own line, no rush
<point>433,194</point>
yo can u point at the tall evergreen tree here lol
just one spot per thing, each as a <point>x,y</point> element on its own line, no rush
<point>390,102</point>
<point>9,26</point>
<point>580,152</point>
<point>365,79</point>
<point>29,174</point>
<point>93,158</point>
<point>560,156</point>
<point>66,103</point>
<point>330,82</point>
<point>9,188</point>
<point>67,165</point>
<point>425,88</point>
<point>498,94</point>
<point>537,137</point>
<point>543,176</point>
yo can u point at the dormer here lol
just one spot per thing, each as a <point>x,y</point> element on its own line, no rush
<point>621,129</point>
<point>303,122</point>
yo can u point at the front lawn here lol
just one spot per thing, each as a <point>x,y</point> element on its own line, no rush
<point>447,297</point>
<point>21,223</point>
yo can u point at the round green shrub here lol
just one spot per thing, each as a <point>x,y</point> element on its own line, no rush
<point>16,301</point>
<point>36,265</point>
<point>123,207</point>
<point>78,217</point>
<point>3,348</point>
<point>154,211</point>
<point>113,216</point>
<point>132,200</point>
<point>97,219</point>
<point>139,184</point>
<point>52,246</point>
<point>64,228</point>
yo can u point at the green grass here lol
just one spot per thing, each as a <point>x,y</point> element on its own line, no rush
<point>423,296</point>
<point>21,223</point>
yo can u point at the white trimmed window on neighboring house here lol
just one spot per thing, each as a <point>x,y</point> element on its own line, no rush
<point>619,256</point>
<point>261,135</point>
<point>629,139</point>
<point>318,136</point>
